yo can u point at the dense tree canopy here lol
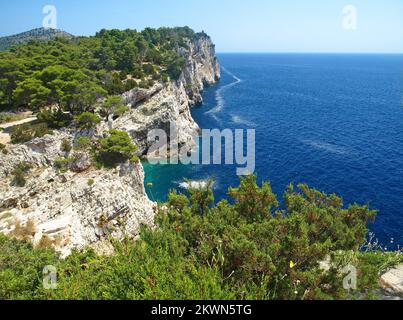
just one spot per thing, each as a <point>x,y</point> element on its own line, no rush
<point>75,73</point>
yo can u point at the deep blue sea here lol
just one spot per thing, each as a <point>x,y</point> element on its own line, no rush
<point>334,122</point>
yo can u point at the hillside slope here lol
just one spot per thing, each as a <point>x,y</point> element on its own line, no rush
<point>81,206</point>
<point>39,34</point>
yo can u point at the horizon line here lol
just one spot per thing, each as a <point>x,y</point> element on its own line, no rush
<point>307,52</point>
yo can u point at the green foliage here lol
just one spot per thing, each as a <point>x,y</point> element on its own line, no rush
<point>266,253</point>
<point>114,106</point>
<point>177,201</point>
<point>82,143</point>
<point>201,198</point>
<point>146,84</point>
<point>87,120</point>
<point>372,264</point>
<point>90,182</point>
<point>148,69</point>
<point>116,148</point>
<point>226,251</point>
<point>63,164</point>
<point>39,34</point>
<point>20,171</point>
<point>130,84</point>
<point>55,119</point>
<point>175,67</point>
<point>66,146</point>
<point>75,73</point>
<point>153,268</point>
<point>26,132</point>
<point>21,269</point>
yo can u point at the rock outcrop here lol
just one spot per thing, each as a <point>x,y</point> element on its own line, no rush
<point>392,282</point>
<point>163,104</point>
<point>72,209</point>
<point>84,206</point>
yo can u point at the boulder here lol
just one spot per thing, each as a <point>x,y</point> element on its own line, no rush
<point>392,281</point>
<point>81,162</point>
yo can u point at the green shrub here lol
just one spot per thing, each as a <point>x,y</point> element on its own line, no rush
<point>20,135</point>
<point>90,182</point>
<point>138,72</point>
<point>156,76</point>
<point>165,77</point>
<point>63,164</point>
<point>87,120</point>
<point>26,132</point>
<point>120,110</point>
<point>66,146</point>
<point>144,84</point>
<point>55,119</point>
<point>114,106</point>
<point>247,249</point>
<point>116,148</point>
<point>175,67</point>
<point>21,269</point>
<point>130,84</point>
<point>82,143</point>
<point>20,171</point>
<point>148,69</point>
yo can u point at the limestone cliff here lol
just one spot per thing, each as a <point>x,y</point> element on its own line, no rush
<point>157,107</point>
<point>80,207</point>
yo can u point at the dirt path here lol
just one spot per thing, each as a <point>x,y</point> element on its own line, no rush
<point>16,123</point>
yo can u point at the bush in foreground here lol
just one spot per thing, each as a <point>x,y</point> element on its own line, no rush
<point>246,250</point>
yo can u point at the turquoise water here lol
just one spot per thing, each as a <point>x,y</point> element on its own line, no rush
<point>334,122</point>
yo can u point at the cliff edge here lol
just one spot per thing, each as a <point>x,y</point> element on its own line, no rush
<point>85,205</point>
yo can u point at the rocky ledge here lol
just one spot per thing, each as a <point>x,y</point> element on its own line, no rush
<point>163,104</point>
<point>80,207</point>
<point>392,283</point>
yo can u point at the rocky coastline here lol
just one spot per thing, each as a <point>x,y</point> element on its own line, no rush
<point>84,206</point>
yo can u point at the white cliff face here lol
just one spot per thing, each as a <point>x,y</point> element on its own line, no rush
<point>169,105</point>
<point>201,68</point>
<point>82,208</point>
<point>73,209</point>
<point>163,104</point>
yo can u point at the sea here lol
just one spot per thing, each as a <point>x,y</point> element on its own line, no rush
<point>332,121</point>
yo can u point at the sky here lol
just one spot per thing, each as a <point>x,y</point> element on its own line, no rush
<point>234,25</point>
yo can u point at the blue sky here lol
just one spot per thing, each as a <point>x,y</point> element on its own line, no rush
<point>234,25</point>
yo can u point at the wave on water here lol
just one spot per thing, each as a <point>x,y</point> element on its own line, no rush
<point>219,93</point>
<point>194,184</point>
<point>240,120</point>
<point>331,148</point>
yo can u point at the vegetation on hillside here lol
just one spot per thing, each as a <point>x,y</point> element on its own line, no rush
<point>250,249</point>
<point>75,73</point>
<point>40,34</point>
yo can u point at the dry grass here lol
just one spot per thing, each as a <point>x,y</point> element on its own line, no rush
<point>46,242</point>
<point>24,232</point>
